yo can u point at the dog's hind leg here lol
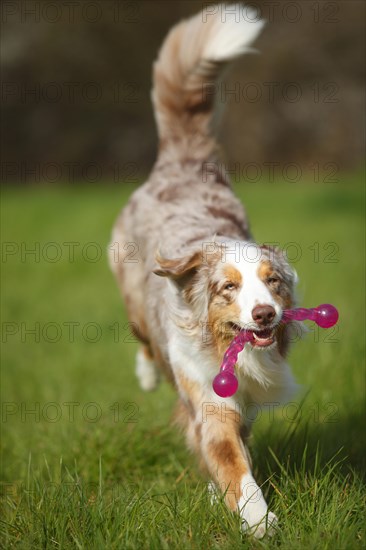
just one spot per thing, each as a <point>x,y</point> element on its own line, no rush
<point>146,370</point>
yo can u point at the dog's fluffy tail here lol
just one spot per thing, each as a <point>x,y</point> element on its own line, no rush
<point>187,67</point>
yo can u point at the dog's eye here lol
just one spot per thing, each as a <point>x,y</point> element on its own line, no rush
<point>273,280</point>
<point>229,286</point>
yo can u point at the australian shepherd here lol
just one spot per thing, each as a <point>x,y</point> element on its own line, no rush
<point>197,277</point>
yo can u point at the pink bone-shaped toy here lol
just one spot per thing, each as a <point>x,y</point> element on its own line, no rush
<point>225,384</point>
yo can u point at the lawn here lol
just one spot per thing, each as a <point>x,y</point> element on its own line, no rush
<point>90,461</point>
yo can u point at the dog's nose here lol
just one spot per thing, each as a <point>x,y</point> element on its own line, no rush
<point>263,315</point>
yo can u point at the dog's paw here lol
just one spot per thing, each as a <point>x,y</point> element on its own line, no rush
<point>256,520</point>
<point>266,526</point>
<point>271,524</point>
<point>146,372</point>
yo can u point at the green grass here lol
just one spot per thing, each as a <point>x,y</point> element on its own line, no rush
<point>97,465</point>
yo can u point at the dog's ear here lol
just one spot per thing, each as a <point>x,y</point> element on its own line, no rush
<point>179,270</point>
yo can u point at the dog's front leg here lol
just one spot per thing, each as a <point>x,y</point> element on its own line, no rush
<point>228,462</point>
<point>213,432</point>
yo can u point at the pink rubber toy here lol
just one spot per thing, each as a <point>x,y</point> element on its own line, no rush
<point>225,384</point>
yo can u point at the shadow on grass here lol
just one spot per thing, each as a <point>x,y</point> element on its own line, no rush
<point>309,446</point>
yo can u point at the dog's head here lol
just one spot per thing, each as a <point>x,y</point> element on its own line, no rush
<point>236,285</point>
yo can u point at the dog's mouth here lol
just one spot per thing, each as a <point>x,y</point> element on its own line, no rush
<point>262,338</point>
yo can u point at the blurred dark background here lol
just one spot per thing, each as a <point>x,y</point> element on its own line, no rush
<point>76,78</point>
